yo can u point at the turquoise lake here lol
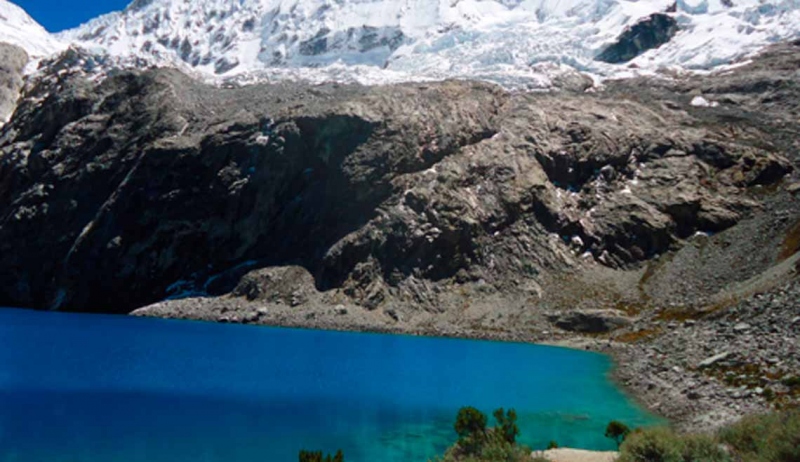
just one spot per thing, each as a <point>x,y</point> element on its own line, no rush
<point>94,388</point>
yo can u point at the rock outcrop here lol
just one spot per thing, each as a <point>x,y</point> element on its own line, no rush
<point>651,32</point>
<point>12,62</point>
<point>415,198</point>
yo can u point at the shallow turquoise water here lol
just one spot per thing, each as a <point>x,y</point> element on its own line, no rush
<point>92,388</point>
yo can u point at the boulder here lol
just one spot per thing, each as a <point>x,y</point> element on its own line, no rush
<point>708,362</point>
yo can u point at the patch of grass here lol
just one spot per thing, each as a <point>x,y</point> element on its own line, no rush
<point>751,376</point>
<point>664,445</point>
<point>630,308</point>
<point>791,398</point>
<point>681,314</point>
<point>642,335</point>
<point>791,382</point>
<point>773,437</point>
<point>791,243</point>
<point>765,438</point>
<point>720,305</point>
<point>748,374</point>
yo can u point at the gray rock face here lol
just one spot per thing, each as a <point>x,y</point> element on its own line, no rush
<point>12,61</point>
<point>649,33</point>
<point>115,195</point>
<point>152,178</point>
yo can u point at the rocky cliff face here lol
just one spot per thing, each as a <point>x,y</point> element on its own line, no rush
<point>404,199</point>
<point>12,61</point>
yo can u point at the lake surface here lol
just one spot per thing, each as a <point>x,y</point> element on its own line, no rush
<point>94,388</point>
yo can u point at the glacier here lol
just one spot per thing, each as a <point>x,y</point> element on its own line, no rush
<point>516,43</point>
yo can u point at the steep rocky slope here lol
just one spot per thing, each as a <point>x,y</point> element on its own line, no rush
<point>116,195</point>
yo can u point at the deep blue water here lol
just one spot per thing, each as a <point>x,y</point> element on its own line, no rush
<point>93,388</point>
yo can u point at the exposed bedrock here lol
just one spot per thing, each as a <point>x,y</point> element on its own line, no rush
<point>118,194</point>
<point>12,61</point>
<point>651,32</point>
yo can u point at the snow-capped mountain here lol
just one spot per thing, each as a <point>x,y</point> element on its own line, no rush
<point>508,41</point>
<point>512,42</point>
<point>17,28</point>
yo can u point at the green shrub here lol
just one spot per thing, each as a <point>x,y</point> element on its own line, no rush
<point>500,450</point>
<point>476,443</point>
<point>760,438</point>
<point>316,456</point>
<point>470,421</point>
<point>470,427</point>
<point>703,448</point>
<point>310,456</point>
<point>651,445</point>
<point>664,445</point>
<point>507,424</point>
<point>552,444</point>
<point>494,449</point>
<point>765,438</point>
<point>617,431</point>
<point>791,382</point>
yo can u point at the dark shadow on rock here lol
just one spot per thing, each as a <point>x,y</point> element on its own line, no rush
<point>651,32</point>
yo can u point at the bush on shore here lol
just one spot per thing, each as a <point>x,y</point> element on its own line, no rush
<point>316,456</point>
<point>760,438</point>
<point>476,443</point>
<point>771,437</point>
<point>617,431</point>
<point>664,445</point>
<point>765,438</point>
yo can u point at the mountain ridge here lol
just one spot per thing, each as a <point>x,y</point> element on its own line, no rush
<point>19,29</point>
<point>515,43</point>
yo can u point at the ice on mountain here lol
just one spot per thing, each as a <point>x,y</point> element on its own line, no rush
<point>17,28</point>
<point>517,43</point>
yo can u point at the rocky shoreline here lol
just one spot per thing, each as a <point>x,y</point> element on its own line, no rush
<point>701,372</point>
